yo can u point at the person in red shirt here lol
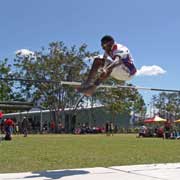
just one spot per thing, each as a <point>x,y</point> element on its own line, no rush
<point>52,126</point>
<point>116,62</point>
<point>9,123</point>
<point>1,122</point>
<point>1,114</point>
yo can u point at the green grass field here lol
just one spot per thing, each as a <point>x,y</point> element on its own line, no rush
<point>46,152</point>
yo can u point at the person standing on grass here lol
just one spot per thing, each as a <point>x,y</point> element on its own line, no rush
<point>25,125</point>
<point>111,128</point>
<point>107,128</point>
<point>142,131</point>
<point>9,123</point>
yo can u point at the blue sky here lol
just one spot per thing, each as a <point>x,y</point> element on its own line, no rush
<point>150,29</point>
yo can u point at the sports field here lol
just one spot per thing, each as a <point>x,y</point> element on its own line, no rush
<point>46,152</point>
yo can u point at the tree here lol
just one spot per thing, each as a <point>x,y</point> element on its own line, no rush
<point>168,104</point>
<point>122,100</point>
<point>6,91</point>
<point>57,63</point>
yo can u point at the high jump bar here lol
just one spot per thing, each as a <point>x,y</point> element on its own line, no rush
<point>121,86</point>
<point>74,83</point>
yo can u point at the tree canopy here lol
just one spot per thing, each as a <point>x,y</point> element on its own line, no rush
<point>6,90</point>
<point>168,104</point>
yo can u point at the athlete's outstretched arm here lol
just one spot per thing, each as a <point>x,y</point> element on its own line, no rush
<point>114,63</point>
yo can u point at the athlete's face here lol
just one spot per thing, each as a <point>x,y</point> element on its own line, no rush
<point>107,46</point>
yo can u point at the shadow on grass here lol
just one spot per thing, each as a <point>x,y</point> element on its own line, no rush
<point>56,174</point>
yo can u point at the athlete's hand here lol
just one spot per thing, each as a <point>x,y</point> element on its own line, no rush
<point>104,71</point>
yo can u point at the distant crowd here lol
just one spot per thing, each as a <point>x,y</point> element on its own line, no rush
<point>9,126</point>
<point>166,130</point>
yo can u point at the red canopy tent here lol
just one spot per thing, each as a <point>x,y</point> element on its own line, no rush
<point>155,119</point>
<point>149,120</point>
<point>177,121</point>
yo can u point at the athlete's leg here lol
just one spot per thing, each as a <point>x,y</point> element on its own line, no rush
<point>98,62</point>
<point>103,76</point>
<point>121,72</point>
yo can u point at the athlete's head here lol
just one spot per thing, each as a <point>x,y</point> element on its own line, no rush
<point>107,42</point>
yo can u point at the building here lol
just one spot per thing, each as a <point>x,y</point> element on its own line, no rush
<point>68,119</point>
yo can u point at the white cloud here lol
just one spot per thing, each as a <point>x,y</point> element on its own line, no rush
<point>24,52</point>
<point>150,71</point>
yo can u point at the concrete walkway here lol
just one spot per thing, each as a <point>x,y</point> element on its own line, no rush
<point>170,171</point>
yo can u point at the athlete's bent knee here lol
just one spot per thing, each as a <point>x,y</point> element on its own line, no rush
<point>99,62</point>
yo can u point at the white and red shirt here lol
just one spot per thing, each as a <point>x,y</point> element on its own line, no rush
<point>124,53</point>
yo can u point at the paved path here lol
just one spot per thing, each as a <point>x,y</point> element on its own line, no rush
<point>170,171</point>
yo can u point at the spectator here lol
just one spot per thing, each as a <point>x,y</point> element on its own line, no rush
<point>25,125</point>
<point>2,126</point>
<point>111,128</point>
<point>61,128</point>
<point>16,128</point>
<point>167,130</point>
<point>1,115</point>
<point>160,132</point>
<point>8,123</point>
<point>142,131</point>
<point>115,129</point>
<point>107,128</point>
<point>52,126</point>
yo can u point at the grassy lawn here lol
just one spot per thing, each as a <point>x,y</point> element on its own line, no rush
<point>45,152</point>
